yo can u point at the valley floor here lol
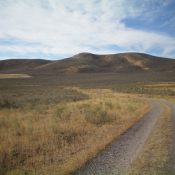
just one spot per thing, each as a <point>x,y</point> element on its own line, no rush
<point>60,138</point>
<point>50,127</point>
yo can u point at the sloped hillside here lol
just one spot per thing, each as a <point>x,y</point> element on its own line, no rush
<point>20,65</point>
<point>125,62</point>
<point>91,63</point>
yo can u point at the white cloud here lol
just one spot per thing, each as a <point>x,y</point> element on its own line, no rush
<point>68,27</point>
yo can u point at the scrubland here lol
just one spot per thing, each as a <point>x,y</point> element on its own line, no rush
<point>162,89</point>
<point>56,132</point>
<point>48,127</point>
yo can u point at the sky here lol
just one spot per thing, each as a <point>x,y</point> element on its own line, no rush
<point>56,29</point>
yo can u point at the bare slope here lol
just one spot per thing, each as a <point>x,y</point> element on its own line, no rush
<point>91,63</point>
<point>125,62</point>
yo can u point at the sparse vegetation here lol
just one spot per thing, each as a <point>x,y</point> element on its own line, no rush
<point>30,96</point>
<point>59,138</point>
<point>149,89</point>
<point>46,127</point>
<point>6,103</point>
<point>155,156</point>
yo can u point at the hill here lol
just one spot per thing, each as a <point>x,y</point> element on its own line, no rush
<point>92,63</point>
<point>20,65</point>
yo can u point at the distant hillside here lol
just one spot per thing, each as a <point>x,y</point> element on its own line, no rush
<point>125,62</point>
<point>20,65</point>
<point>91,63</point>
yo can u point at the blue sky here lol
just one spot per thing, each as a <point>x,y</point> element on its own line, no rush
<point>55,29</point>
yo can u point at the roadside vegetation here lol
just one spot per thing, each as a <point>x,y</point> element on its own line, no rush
<point>154,158</point>
<point>159,89</point>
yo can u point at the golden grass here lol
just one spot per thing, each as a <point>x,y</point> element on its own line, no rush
<point>62,137</point>
<point>163,84</point>
<point>2,76</point>
<point>155,155</point>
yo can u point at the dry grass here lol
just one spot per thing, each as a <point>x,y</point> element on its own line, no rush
<point>2,76</point>
<point>162,84</point>
<point>155,155</point>
<point>60,138</point>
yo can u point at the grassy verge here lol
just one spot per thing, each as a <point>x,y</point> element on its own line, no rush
<point>155,156</point>
<point>158,89</point>
<point>60,137</point>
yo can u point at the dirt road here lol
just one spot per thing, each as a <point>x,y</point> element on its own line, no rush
<point>117,157</point>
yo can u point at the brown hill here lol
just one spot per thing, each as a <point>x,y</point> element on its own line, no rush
<point>124,62</point>
<point>20,65</point>
<point>91,63</point>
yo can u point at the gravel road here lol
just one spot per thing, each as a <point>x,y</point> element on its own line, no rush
<point>117,157</point>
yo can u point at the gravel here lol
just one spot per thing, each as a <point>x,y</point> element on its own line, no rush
<point>117,157</point>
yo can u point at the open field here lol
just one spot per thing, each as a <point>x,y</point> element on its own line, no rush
<point>61,136</point>
<point>46,125</point>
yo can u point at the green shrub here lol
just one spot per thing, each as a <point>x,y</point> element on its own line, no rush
<point>59,111</point>
<point>97,115</point>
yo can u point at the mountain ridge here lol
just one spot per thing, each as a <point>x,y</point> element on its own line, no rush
<point>91,63</point>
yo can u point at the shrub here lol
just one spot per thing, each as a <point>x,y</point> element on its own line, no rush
<point>109,104</point>
<point>97,115</point>
<point>64,112</point>
<point>6,103</point>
